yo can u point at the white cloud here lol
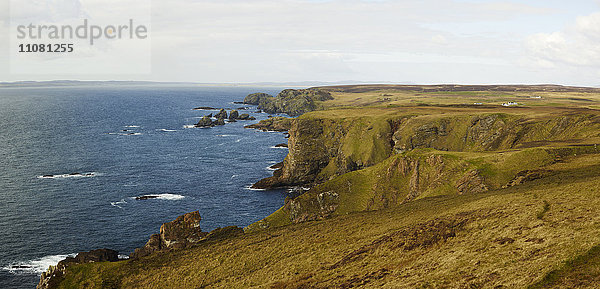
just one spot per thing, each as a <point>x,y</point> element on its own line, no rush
<point>389,40</point>
<point>577,45</point>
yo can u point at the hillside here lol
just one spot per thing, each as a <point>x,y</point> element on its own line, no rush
<point>411,187</point>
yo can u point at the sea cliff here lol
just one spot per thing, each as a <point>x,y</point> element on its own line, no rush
<point>434,193</point>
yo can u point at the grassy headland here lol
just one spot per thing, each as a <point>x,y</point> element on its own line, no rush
<point>412,187</point>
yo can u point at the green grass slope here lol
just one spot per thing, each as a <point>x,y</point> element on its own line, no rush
<point>494,239</point>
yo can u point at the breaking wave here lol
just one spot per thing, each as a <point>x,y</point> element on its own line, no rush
<point>37,266</point>
<point>167,197</point>
<point>71,175</point>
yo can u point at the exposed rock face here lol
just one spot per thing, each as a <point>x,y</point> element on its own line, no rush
<point>484,132</point>
<point>233,115</point>
<point>220,121</point>
<point>273,124</point>
<point>294,102</point>
<point>323,150</point>
<point>277,166</point>
<point>180,233</point>
<point>245,116</point>
<point>471,183</point>
<point>221,115</point>
<point>205,121</point>
<point>527,176</point>
<point>322,206</point>
<point>55,274</point>
<point>320,149</point>
<point>256,98</point>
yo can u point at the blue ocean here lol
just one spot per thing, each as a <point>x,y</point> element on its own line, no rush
<point>74,159</point>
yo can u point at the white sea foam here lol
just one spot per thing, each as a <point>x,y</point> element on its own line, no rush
<point>276,147</point>
<point>188,126</point>
<point>167,197</point>
<point>65,176</point>
<point>37,266</point>
<point>166,130</point>
<point>125,133</point>
<point>225,135</point>
<point>133,126</point>
<point>250,188</point>
<point>118,204</point>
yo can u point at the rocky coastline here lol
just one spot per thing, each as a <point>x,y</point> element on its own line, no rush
<point>184,231</point>
<point>363,160</point>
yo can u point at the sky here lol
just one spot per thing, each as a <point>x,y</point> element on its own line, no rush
<point>404,41</point>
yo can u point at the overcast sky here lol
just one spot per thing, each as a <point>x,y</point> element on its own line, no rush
<point>404,41</point>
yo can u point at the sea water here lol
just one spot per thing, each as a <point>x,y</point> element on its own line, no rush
<point>74,159</point>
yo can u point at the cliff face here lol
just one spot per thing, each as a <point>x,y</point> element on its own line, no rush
<point>416,175</point>
<point>489,132</point>
<point>358,164</point>
<point>320,149</point>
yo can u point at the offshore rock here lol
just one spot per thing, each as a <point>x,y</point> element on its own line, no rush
<point>219,121</point>
<point>222,114</point>
<point>245,116</point>
<point>205,121</point>
<point>233,115</point>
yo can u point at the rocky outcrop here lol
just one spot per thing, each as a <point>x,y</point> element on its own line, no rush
<point>180,233</point>
<point>280,124</point>
<point>245,116</point>
<point>527,176</point>
<point>471,183</point>
<point>219,121</point>
<point>257,98</point>
<point>222,114</point>
<point>205,121</point>
<point>293,102</point>
<point>322,206</point>
<point>233,115</point>
<point>55,274</point>
<point>320,149</point>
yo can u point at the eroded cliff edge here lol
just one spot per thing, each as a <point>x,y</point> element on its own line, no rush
<point>374,158</point>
